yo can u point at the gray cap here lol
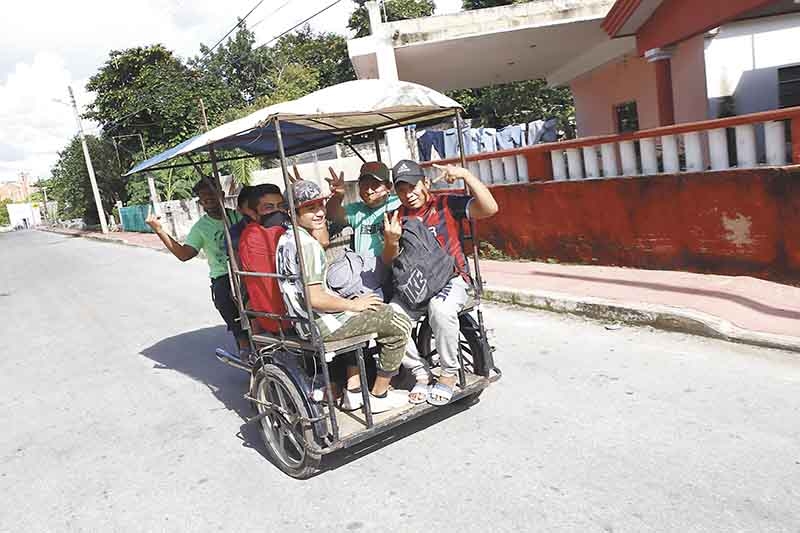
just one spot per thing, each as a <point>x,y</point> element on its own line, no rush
<point>306,192</point>
<point>408,171</point>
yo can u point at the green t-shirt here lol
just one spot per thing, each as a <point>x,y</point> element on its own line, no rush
<point>208,234</point>
<point>367,224</point>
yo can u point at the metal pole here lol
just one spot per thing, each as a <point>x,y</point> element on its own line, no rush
<point>377,145</point>
<point>315,337</point>
<point>97,201</point>
<point>472,225</point>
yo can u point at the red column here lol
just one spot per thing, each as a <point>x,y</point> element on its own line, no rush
<point>666,106</point>
<point>796,140</point>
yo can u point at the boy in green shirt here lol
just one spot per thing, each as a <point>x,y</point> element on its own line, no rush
<point>208,234</point>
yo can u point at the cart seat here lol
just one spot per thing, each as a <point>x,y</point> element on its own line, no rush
<point>332,348</point>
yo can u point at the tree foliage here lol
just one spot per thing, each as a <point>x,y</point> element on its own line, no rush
<point>5,220</point>
<point>513,103</point>
<point>395,10</point>
<point>70,185</point>
<point>468,5</point>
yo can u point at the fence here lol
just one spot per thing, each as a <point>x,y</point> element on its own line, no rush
<point>133,218</point>
<point>718,144</point>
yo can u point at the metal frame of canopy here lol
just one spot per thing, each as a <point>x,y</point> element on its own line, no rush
<point>275,126</point>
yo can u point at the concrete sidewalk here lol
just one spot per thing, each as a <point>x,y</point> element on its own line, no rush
<point>740,309</point>
<point>737,308</point>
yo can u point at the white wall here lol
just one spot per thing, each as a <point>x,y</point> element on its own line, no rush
<point>19,213</point>
<point>742,61</point>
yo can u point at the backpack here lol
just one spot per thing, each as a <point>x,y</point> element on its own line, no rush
<point>353,275</point>
<point>423,267</point>
<point>257,247</point>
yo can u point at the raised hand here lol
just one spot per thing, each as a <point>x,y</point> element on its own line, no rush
<point>392,228</point>
<point>336,181</point>
<point>449,173</point>
<point>296,177</point>
<point>152,220</point>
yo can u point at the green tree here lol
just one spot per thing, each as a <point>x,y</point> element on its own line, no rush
<point>4,217</point>
<point>395,10</point>
<point>149,90</point>
<point>468,5</point>
<point>513,103</point>
<point>70,186</point>
<point>325,52</point>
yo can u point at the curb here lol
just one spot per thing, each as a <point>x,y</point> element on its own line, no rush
<point>112,240</point>
<point>640,314</point>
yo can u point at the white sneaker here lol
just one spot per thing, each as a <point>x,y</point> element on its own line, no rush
<point>351,400</point>
<point>393,400</point>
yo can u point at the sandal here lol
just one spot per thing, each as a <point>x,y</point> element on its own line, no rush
<point>440,394</point>
<point>419,394</point>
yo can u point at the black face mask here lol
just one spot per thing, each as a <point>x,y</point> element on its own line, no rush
<point>276,218</point>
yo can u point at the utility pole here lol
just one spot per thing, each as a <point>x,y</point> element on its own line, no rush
<point>89,167</point>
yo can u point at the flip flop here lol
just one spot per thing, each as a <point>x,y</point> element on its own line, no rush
<point>442,391</point>
<point>421,390</point>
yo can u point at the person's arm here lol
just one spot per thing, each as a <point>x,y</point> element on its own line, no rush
<point>392,230</point>
<point>335,208</point>
<point>483,204</point>
<point>325,302</point>
<point>184,252</point>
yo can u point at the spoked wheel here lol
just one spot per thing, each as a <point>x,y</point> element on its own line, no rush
<point>472,347</point>
<point>281,427</point>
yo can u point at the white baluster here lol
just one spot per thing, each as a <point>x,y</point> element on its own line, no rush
<point>559,165</point>
<point>628,153</point>
<point>485,169</point>
<point>575,164</point>
<point>608,153</point>
<point>649,156</point>
<point>775,140</point>
<point>718,148</point>
<point>746,146</point>
<point>498,175</point>
<point>695,158</point>
<point>522,169</point>
<point>474,168</point>
<point>669,149</point>
<point>591,162</point>
<point>510,169</point>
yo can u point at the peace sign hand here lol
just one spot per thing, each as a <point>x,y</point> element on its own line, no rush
<point>153,220</point>
<point>392,228</point>
<point>336,181</point>
<point>450,173</point>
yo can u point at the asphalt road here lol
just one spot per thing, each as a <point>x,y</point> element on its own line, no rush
<point>115,416</point>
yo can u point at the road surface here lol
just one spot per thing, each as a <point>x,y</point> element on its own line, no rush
<point>116,417</point>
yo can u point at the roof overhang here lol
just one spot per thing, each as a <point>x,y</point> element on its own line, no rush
<point>661,23</point>
<point>488,46</point>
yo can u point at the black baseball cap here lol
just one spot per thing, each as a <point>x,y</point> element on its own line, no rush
<point>374,169</point>
<point>407,171</point>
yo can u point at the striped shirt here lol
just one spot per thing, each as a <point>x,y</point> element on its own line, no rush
<point>443,215</point>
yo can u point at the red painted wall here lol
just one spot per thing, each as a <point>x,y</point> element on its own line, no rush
<point>740,222</point>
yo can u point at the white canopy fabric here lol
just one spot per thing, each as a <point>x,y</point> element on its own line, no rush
<point>320,119</point>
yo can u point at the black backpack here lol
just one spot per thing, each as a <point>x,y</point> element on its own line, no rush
<point>423,267</point>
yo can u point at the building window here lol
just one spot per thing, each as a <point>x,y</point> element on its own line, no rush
<point>627,117</point>
<point>789,86</point>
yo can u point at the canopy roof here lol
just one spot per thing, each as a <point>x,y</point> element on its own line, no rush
<point>319,119</point>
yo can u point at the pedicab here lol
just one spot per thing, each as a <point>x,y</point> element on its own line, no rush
<point>290,383</point>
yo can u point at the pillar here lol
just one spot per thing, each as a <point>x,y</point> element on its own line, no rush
<point>661,59</point>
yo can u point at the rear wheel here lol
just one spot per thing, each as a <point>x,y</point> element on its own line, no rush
<point>284,433</point>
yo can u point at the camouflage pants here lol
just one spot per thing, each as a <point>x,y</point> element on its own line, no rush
<point>393,329</point>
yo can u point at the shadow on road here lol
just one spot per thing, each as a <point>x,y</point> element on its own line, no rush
<point>192,354</point>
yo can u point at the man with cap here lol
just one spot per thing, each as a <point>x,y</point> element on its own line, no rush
<point>366,216</point>
<point>442,214</point>
<point>335,317</point>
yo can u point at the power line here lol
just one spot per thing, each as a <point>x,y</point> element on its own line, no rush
<point>324,9</point>
<point>241,20</point>
<point>287,2</point>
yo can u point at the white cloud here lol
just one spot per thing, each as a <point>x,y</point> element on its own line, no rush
<point>47,45</point>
